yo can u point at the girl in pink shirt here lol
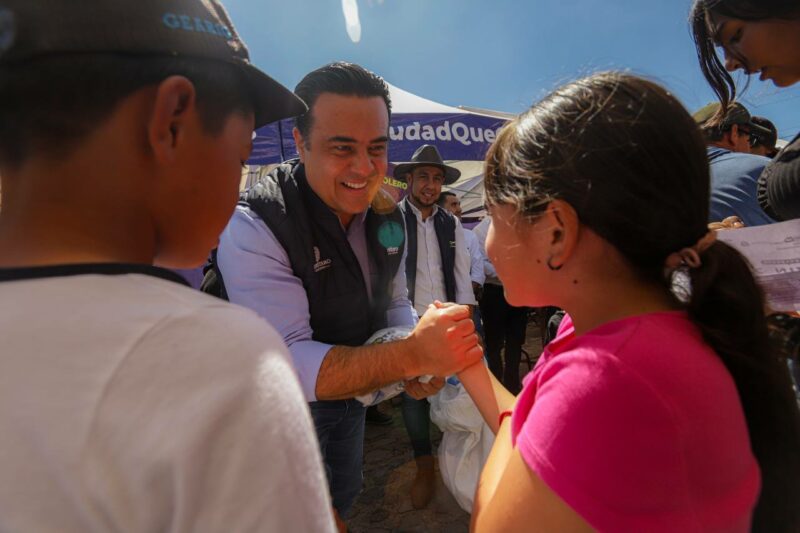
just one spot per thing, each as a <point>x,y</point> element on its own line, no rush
<point>660,406</point>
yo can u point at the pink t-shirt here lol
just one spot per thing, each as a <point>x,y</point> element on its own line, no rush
<point>637,426</point>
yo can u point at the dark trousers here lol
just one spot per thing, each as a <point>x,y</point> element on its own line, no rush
<point>417,418</point>
<point>340,430</point>
<point>504,327</point>
<point>478,321</point>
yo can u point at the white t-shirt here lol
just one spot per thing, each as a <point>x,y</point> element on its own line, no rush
<point>132,403</point>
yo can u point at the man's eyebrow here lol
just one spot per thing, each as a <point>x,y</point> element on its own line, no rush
<point>350,140</point>
<point>435,173</point>
<point>341,139</point>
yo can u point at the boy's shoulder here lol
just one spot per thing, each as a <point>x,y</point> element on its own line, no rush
<point>129,308</point>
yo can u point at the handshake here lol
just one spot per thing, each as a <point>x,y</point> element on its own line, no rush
<point>443,343</point>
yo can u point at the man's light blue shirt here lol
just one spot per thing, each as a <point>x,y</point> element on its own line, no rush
<point>734,186</point>
<point>257,274</point>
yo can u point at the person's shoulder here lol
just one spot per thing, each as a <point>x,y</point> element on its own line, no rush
<point>742,162</point>
<point>247,230</point>
<point>621,341</point>
<point>205,321</point>
<point>448,215</point>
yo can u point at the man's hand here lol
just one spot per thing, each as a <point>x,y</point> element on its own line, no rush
<point>732,222</point>
<point>418,390</point>
<point>444,341</point>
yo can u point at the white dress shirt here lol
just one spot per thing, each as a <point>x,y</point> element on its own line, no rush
<point>477,271</point>
<point>429,284</point>
<point>480,232</point>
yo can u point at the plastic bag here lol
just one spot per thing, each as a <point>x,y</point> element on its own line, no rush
<point>466,442</point>
<point>389,391</point>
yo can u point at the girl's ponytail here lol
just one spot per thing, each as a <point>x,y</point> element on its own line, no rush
<point>728,306</point>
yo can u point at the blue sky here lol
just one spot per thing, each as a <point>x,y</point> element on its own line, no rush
<point>498,54</point>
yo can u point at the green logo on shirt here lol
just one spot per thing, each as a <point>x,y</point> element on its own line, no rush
<point>391,236</point>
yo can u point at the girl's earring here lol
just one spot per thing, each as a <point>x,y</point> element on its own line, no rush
<point>551,266</point>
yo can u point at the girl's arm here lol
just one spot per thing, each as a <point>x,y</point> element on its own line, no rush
<point>489,395</point>
<point>511,497</point>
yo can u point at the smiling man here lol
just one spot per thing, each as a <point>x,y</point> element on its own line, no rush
<point>317,249</point>
<point>437,268</point>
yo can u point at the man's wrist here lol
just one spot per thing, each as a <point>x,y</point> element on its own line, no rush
<point>410,357</point>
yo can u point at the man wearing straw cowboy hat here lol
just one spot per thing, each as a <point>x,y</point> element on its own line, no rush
<point>437,268</point>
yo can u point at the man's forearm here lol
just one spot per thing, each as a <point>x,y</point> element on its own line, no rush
<point>349,371</point>
<point>442,343</point>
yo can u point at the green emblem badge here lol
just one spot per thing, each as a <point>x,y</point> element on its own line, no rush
<point>391,236</point>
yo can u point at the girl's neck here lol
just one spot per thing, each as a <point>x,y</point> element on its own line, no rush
<point>616,298</point>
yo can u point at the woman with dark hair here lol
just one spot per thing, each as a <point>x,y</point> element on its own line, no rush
<point>757,36</point>
<point>660,405</point>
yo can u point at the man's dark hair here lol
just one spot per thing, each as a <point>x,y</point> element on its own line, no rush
<point>767,141</point>
<point>346,79</point>
<point>50,104</point>
<point>443,197</point>
<point>714,133</point>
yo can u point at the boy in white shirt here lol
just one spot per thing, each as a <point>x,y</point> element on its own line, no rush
<point>129,402</point>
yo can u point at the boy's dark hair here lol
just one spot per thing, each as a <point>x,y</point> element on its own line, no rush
<point>714,71</point>
<point>50,104</point>
<point>631,161</point>
<point>443,197</point>
<point>346,79</point>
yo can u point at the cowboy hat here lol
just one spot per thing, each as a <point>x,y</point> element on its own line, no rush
<point>427,156</point>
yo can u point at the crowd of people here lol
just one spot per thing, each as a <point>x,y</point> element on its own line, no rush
<point>131,402</point>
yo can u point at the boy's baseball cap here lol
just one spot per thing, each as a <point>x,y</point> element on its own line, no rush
<point>182,28</point>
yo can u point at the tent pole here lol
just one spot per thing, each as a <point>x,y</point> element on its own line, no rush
<point>280,138</point>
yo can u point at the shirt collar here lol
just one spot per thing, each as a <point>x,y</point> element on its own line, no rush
<point>417,212</point>
<point>79,269</point>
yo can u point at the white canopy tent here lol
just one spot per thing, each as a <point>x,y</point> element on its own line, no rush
<point>462,135</point>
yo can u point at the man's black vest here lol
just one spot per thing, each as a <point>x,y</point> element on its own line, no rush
<point>320,255</point>
<point>444,223</point>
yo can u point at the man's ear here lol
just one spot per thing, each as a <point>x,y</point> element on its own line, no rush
<point>173,108</point>
<point>300,142</point>
<point>729,137</point>
<point>564,228</point>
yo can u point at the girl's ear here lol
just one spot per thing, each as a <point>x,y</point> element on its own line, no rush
<point>564,227</point>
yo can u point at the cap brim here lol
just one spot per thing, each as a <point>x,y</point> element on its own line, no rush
<point>272,101</point>
<point>451,174</point>
<point>759,130</point>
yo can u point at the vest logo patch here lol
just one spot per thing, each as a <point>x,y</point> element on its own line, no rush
<point>452,244</point>
<point>391,236</point>
<point>320,264</point>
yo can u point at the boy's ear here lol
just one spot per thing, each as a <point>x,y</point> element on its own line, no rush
<point>174,103</point>
<point>300,143</point>
<point>564,229</point>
